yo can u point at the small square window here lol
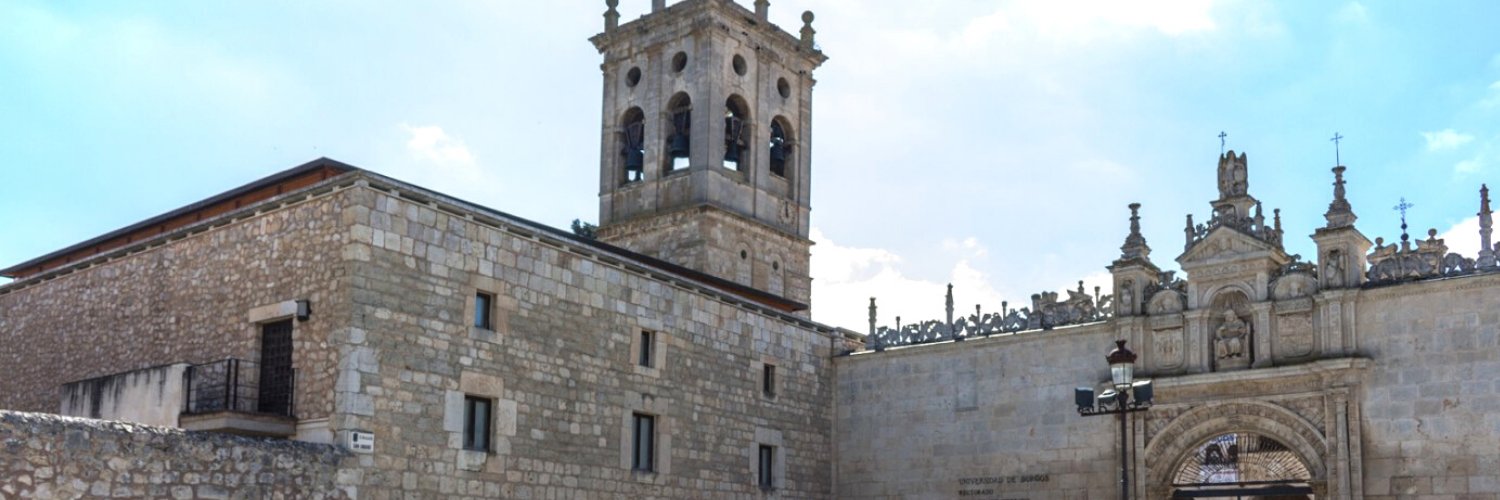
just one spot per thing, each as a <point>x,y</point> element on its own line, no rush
<point>477,423</point>
<point>643,447</point>
<point>768,380</point>
<point>647,348</point>
<point>484,311</point>
<point>767,467</point>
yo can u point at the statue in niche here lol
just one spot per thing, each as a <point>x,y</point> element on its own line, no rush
<point>1229,340</point>
<point>1335,269</point>
<point>1127,298</point>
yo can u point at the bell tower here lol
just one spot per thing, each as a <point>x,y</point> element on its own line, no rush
<point>706,141</point>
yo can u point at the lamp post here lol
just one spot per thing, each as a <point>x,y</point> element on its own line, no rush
<point>1118,401</point>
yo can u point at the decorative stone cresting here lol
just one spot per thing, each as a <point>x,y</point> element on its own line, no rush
<point>1045,313</point>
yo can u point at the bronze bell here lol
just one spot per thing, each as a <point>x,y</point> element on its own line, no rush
<point>678,148</point>
<point>778,152</point>
<point>635,160</point>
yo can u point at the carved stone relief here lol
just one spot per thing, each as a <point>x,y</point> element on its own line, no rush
<point>1294,285</point>
<point>1165,303</point>
<point>1294,334</point>
<point>1167,348</point>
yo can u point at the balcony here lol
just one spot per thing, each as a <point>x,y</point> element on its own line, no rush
<point>239,397</point>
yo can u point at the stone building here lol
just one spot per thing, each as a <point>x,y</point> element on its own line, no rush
<point>426,346</point>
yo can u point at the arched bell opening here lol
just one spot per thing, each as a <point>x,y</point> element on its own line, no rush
<point>679,132</point>
<point>780,149</point>
<point>633,146</point>
<point>736,131</point>
<point>1243,465</point>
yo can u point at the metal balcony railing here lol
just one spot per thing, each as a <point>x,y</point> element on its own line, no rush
<point>241,386</point>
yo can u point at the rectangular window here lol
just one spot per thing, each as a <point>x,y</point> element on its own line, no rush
<point>476,423</point>
<point>767,467</point>
<point>644,443</point>
<point>648,348</point>
<point>768,380</point>
<point>484,304</point>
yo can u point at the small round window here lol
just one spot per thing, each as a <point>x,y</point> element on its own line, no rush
<point>679,62</point>
<point>775,266</point>
<point>744,254</point>
<point>783,88</point>
<point>739,65</point>
<point>632,77</point>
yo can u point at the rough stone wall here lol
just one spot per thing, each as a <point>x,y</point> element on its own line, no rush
<point>984,418</point>
<point>559,365</point>
<point>50,456</point>
<point>182,300</point>
<point>1432,405</point>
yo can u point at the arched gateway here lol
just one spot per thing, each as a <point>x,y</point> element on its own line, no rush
<point>1249,450</point>
<point>1242,465</point>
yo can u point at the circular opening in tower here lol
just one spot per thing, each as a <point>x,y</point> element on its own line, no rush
<point>783,88</point>
<point>775,266</point>
<point>633,77</point>
<point>744,254</point>
<point>679,62</point>
<point>739,65</point>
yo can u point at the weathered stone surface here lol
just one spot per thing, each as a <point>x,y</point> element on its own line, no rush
<point>182,298</point>
<point>50,456</point>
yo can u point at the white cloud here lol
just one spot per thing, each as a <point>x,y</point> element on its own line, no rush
<point>1493,99</point>
<point>432,144</point>
<point>1468,166</point>
<point>441,161</point>
<point>845,278</point>
<point>1445,139</point>
<point>1463,237</point>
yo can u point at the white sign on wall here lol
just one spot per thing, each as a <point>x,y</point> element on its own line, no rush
<point>359,441</point>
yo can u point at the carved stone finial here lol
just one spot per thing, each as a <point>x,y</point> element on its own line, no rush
<point>1486,258</point>
<point>762,9</point>
<point>1339,214</point>
<point>872,317</point>
<point>807,30</point>
<point>611,16</point>
<point>1188,231</point>
<point>952,332</point>
<point>1276,220</point>
<point>1135,244</point>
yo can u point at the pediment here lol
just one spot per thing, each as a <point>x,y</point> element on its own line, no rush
<point>1226,244</point>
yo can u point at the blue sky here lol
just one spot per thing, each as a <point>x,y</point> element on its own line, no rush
<point>991,144</point>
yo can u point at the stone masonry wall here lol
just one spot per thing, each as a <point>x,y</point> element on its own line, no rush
<point>50,456</point>
<point>1432,404</point>
<point>710,240</point>
<point>560,368</point>
<point>184,300</point>
<point>985,418</point>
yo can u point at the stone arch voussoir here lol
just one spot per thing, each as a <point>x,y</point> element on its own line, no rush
<point>1177,441</point>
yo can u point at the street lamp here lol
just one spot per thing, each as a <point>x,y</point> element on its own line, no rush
<point>1118,401</point>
